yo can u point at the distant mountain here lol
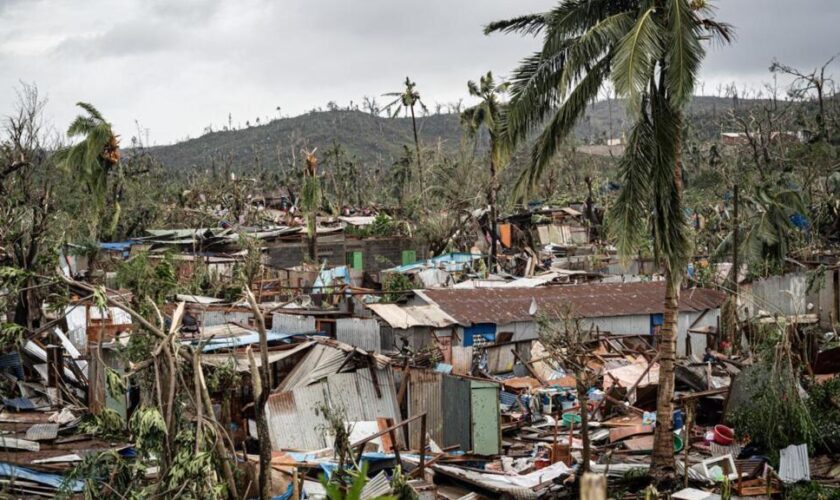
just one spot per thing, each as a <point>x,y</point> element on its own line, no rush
<point>377,140</point>
<point>372,139</point>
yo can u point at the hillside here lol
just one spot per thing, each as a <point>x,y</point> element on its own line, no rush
<point>377,140</point>
<point>373,139</point>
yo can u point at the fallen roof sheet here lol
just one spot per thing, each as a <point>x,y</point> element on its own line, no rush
<point>410,316</point>
<point>509,305</point>
<point>242,363</point>
<point>52,480</point>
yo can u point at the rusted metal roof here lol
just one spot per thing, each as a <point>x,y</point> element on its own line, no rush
<point>509,305</point>
<point>410,316</point>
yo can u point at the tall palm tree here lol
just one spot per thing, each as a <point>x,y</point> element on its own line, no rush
<point>95,156</point>
<point>310,201</point>
<point>405,101</point>
<point>488,114</point>
<point>650,50</point>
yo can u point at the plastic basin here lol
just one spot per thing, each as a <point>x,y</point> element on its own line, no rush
<point>570,418</point>
<point>724,435</point>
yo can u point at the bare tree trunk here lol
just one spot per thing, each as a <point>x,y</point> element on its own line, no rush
<point>417,148</point>
<point>583,397</point>
<point>262,387</point>
<point>492,195</point>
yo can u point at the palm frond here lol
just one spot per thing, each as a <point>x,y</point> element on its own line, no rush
<point>635,56</point>
<point>561,125</point>
<point>684,52</point>
<point>592,45</point>
<point>531,24</point>
<point>91,110</point>
<point>630,214</point>
<point>534,93</point>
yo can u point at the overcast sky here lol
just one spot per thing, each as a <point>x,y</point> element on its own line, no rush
<point>177,66</point>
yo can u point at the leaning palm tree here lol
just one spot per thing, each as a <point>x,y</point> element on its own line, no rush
<point>310,201</point>
<point>773,218</point>
<point>488,114</point>
<point>405,101</point>
<point>650,50</point>
<point>95,156</point>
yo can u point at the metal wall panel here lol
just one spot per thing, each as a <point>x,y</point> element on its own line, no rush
<point>214,318</point>
<point>456,413</point>
<point>292,323</point>
<point>295,423</point>
<point>485,418</point>
<point>361,333</point>
<point>424,395</point>
<point>293,420</point>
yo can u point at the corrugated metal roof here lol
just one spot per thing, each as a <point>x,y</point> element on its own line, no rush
<point>406,317</point>
<point>320,362</point>
<point>510,305</point>
<point>240,358</point>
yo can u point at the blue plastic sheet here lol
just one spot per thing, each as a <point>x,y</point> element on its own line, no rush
<point>47,479</point>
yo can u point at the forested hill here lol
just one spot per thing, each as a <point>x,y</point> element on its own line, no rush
<point>372,139</point>
<point>377,140</point>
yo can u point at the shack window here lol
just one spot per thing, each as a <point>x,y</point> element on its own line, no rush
<point>354,260</point>
<point>409,257</point>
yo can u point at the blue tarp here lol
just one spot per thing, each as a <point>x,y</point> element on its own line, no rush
<point>51,480</point>
<point>327,277</point>
<point>450,262</point>
<point>486,330</point>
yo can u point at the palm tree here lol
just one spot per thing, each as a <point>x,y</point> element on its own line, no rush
<point>769,224</point>
<point>488,114</point>
<point>310,201</point>
<point>405,101</point>
<point>94,157</point>
<point>650,50</point>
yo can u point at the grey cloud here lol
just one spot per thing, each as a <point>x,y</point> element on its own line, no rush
<point>186,63</point>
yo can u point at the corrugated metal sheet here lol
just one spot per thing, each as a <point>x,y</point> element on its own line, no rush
<point>320,362</point>
<point>358,332</point>
<point>377,487</point>
<point>42,432</point>
<point>424,395</point>
<point>482,305</point>
<point>794,465</point>
<point>292,323</point>
<point>213,318</point>
<point>409,316</point>
<point>295,423</point>
<point>241,361</point>
<point>456,413</point>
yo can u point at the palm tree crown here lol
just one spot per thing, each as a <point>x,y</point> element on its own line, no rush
<point>96,154</point>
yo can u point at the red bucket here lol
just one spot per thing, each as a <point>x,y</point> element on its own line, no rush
<point>724,435</point>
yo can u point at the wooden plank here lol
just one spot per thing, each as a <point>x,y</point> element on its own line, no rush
<point>620,433</point>
<point>640,444</point>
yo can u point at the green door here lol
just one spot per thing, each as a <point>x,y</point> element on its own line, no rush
<point>484,401</point>
<point>409,257</point>
<point>354,260</point>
